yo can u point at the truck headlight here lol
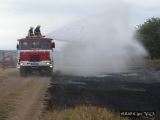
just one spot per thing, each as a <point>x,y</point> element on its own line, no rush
<point>51,66</point>
<point>21,64</point>
<point>48,63</point>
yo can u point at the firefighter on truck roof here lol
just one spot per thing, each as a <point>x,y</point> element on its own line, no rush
<point>30,32</point>
<point>37,31</point>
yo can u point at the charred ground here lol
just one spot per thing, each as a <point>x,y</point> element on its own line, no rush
<point>137,90</point>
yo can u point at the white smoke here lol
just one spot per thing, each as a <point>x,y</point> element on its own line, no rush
<point>100,43</point>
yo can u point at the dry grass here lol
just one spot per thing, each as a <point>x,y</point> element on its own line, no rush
<point>1,72</point>
<point>147,63</point>
<point>155,62</point>
<point>82,113</point>
<point>6,106</point>
<point>4,73</point>
<point>7,96</point>
<point>11,72</point>
<point>7,101</point>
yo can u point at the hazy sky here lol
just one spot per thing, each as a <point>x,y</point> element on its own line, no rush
<point>16,16</point>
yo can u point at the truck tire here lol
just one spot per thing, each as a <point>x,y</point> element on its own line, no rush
<point>23,72</point>
<point>49,72</point>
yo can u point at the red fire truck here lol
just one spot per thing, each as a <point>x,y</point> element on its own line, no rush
<point>35,54</point>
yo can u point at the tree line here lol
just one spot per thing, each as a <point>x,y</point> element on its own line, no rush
<point>148,34</point>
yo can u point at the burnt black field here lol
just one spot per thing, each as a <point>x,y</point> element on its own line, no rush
<point>137,90</point>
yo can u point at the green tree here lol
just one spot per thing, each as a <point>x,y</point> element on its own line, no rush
<point>148,34</point>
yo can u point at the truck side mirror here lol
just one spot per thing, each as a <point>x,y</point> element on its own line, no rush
<point>53,45</point>
<point>17,46</point>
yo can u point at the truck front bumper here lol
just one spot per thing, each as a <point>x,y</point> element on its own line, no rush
<point>35,64</point>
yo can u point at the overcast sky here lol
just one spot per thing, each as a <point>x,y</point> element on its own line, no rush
<point>16,16</point>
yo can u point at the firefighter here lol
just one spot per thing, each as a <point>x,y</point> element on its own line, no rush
<point>30,32</point>
<point>37,31</point>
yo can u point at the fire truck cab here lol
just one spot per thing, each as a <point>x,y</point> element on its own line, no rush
<point>35,54</point>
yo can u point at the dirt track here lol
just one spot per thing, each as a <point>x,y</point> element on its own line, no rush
<point>21,98</point>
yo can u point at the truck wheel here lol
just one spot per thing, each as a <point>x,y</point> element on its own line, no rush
<point>41,73</point>
<point>49,72</point>
<point>23,72</point>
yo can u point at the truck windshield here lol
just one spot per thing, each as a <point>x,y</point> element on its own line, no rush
<point>35,44</point>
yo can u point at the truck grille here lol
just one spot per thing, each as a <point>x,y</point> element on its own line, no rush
<point>34,58</point>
